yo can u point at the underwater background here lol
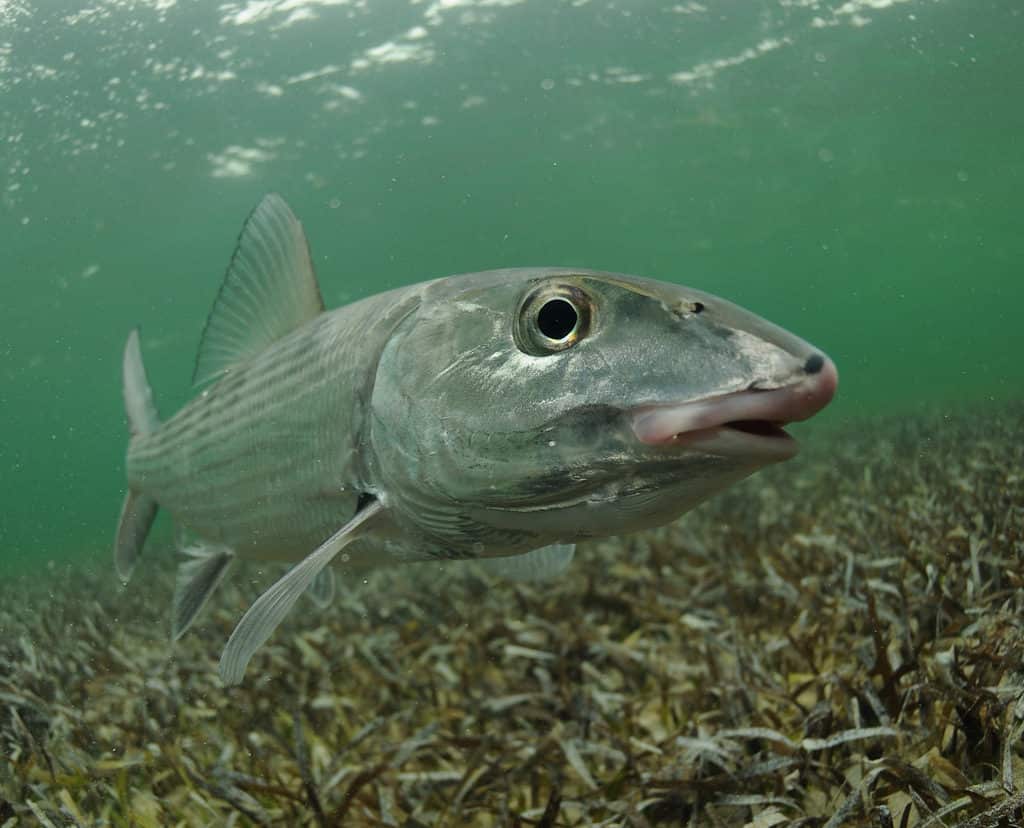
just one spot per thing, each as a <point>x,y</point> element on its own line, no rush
<point>838,641</point>
<point>850,170</point>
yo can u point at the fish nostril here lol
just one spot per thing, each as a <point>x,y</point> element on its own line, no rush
<point>814,364</point>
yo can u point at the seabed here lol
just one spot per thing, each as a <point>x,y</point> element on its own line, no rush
<point>837,642</point>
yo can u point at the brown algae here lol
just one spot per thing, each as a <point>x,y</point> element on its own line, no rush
<point>837,642</point>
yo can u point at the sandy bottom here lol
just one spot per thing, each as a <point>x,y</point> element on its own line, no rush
<point>837,642</point>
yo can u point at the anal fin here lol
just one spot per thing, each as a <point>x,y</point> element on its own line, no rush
<point>198,577</point>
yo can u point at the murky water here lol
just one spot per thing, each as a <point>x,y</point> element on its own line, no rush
<point>849,170</point>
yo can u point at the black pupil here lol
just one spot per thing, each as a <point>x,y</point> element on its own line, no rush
<point>557,318</point>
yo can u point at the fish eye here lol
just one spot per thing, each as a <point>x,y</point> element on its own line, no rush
<point>552,318</point>
<point>557,318</point>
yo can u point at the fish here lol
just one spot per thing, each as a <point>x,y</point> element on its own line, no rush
<point>500,416</point>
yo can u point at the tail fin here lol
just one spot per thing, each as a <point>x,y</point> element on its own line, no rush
<point>138,398</point>
<point>139,510</point>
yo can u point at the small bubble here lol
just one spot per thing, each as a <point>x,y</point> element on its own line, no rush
<point>962,175</point>
<point>547,84</point>
<point>334,203</point>
<point>552,443</point>
<point>826,155</point>
<point>820,57</point>
<point>478,548</point>
<point>344,557</point>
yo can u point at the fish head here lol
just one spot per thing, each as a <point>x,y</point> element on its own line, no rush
<point>517,408</point>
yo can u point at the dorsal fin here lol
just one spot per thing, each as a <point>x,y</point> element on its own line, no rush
<point>269,290</point>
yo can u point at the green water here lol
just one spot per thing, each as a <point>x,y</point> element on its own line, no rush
<point>850,170</point>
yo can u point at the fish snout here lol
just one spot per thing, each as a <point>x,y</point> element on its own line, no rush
<point>747,423</point>
<point>809,385</point>
<point>812,393</point>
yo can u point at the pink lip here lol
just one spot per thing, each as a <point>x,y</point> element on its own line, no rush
<point>741,422</point>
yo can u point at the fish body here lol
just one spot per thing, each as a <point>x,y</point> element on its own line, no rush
<point>269,460</point>
<point>489,415</point>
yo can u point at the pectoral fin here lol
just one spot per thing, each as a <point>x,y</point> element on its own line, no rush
<point>272,606</point>
<point>543,564</point>
<point>322,588</point>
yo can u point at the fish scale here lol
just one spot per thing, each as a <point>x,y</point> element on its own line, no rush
<point>257,481</point>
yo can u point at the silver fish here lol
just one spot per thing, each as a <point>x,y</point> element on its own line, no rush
<point>502,416</point>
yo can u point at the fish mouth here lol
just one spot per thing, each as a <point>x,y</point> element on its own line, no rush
<point>749,423</point>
